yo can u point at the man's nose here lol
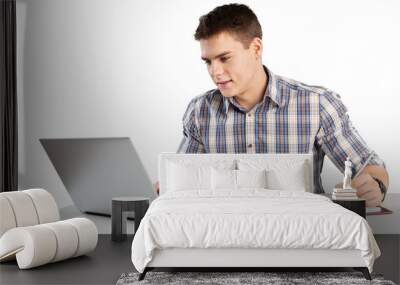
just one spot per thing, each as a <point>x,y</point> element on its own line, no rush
<point>216,69</point>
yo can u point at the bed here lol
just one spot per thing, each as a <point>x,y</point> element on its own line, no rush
<point>247,210</point>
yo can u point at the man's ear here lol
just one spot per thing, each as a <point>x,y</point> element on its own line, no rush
<point>257,46</point>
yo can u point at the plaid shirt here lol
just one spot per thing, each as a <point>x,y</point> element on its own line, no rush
<point>292,118</point>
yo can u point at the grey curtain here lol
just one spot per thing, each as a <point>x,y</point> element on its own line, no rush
<point>8,98</point>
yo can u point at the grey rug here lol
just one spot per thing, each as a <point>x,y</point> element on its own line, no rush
<point>229,278</point>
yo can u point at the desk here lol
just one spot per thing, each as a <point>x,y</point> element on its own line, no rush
<point>387,224</point>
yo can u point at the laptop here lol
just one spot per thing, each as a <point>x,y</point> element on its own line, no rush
<point>94,170</point>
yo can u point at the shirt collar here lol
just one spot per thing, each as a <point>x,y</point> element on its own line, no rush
<point>271,91</point>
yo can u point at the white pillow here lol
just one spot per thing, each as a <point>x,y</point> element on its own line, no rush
<point>237,179</point>
<point>294,179</point>
<point>251,178</point>
<point>223,179</point>
<point>185,177</point>
<point>281,175</point>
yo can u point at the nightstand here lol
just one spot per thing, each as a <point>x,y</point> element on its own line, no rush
<point>121,205</point>
<point>356,205</point>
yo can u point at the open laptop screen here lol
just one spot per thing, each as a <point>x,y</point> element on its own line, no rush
<point>94,170</point>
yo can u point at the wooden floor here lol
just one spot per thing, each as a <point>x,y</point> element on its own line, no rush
<point>111,259</point>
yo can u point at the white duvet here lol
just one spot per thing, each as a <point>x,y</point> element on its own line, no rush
<point>251,218</point>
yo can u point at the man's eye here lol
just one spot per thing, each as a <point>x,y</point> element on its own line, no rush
<point>223,59</point>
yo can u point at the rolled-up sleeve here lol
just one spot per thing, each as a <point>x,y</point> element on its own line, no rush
<point>191,141</point>
<point>338,137</point>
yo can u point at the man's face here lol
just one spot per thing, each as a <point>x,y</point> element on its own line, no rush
<point>231,66</point>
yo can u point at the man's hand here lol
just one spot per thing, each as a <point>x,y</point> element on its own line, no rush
<point>157,188</point>
<point>368,189</point>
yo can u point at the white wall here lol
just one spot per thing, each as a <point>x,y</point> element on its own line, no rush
<point>98,68</point>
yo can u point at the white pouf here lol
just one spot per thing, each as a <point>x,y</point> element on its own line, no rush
<point>23,208</point>
<point>37,245</point>
<point>30,230</point>
<point>45,205</point>
<point>7,220</point>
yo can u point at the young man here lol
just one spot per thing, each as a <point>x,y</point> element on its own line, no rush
<point>255,111</point>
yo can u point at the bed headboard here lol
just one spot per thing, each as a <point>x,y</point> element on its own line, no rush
<point>271,159</point>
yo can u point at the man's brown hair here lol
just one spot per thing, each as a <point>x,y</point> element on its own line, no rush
<point>237,19</point>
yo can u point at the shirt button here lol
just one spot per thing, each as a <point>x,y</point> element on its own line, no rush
<point>249,115</point>
<point>250,145</point>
